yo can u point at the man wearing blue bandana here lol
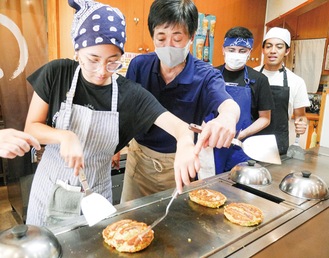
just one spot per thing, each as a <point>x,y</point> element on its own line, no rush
<point>249,88</point>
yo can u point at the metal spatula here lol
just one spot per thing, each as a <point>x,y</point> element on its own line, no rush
<point>158,220</point>
<point>94,206</point>
<point>295,151</point>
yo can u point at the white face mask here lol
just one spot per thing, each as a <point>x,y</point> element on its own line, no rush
<point>236,61</point>
<point>172,56</point>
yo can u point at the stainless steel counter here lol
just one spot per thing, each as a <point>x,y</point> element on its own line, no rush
<point>316,161</point>
<point>191,230</point>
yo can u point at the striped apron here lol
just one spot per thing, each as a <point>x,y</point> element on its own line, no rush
<point>98,132</point>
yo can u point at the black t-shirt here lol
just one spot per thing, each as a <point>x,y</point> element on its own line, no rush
<point>138,109</point>
<point>260,88</point>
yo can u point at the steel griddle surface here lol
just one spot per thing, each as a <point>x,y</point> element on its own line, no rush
<point>189,230</point>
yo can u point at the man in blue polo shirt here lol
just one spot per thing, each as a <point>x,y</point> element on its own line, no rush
<point>189,88</point>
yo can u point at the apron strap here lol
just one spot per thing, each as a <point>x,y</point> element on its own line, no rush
<point>261,69</point>
<point>285,78</point>
<point>70,95</point>
<point>114,92</point>
<point>69,99</point>
<point>246,79</point>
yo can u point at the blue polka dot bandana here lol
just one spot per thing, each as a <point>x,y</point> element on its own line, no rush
<point>238,42</point>
<point>95,23</point>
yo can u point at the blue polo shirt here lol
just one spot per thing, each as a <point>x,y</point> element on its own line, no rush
<point>195,93</point>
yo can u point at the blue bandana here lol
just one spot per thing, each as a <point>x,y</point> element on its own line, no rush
<point>95,23</point>
<point>239,42</point>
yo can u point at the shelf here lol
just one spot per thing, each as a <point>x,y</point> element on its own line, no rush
<point>299,10</point>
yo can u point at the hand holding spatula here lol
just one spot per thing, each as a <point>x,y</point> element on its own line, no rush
<point>260,147</point>
<point>294,150</point>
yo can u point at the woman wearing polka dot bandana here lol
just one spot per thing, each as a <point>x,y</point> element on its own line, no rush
<point>84,112</point>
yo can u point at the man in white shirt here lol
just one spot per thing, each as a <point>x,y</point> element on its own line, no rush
<point>288,90</point>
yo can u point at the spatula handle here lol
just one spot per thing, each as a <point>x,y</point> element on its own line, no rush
<point>297,139</point>
<point>83,181</point>
<point>236,142</point>
<point>195,128</point>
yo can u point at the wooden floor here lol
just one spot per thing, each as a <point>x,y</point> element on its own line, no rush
<point>8,217</point>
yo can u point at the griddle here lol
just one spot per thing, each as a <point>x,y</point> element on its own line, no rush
<point>189,230</point>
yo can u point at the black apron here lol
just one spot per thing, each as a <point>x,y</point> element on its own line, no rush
<point>279,125</point>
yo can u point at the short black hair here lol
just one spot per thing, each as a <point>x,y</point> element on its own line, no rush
<point>239,32</point>
<point>172,12</point>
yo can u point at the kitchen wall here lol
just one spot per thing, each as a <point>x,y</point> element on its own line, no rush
<point>275,8</point>
<point>60,17</point>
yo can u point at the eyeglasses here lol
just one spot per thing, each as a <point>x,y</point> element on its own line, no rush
<point>93,66</point>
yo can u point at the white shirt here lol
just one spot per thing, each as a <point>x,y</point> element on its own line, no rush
<point>298,96</point>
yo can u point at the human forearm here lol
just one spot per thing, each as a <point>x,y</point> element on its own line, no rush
<point>46,134</point>
<point>255,127</point>
<point>35,123</point>
<point>70,146</point>
<point>220,131</point>
<point>229,114</point>
<point>175,127</point>
<point>262,122</point>
<point>186,161</point>
<point>229,109</point>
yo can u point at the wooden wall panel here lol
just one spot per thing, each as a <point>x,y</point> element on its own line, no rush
<point>229,13</point>
<point>60,16</point>
<point>236,13</point>
<point>314,24</point>
<point>66,16</point>
<point>52,29</point>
